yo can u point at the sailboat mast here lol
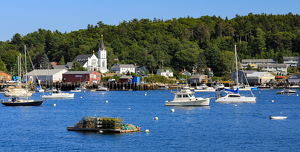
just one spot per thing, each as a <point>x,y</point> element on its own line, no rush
<point>236,67</point>
<point>25,72</point>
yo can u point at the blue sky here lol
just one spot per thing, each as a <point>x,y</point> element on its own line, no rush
<point>27,16</point>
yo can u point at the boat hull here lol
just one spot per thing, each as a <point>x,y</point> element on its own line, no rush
<point>278,117</point>
<point>237,100</point>
<point>204,90</point>
<point>32,103</point>
<point>198,102</point>
<point>59,96</point>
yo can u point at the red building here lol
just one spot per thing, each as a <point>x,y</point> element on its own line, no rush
<point>125,79</point>
<point>82,77</point>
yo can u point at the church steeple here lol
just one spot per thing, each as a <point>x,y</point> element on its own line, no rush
<point>102,44</point>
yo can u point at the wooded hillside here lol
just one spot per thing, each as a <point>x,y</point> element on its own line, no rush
<point>183,43</point>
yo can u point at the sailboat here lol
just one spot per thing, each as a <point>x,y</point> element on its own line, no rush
<point>233,96</point>
<point>15,101</point>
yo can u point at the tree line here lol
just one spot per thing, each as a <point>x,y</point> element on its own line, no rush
<point>179,43</point>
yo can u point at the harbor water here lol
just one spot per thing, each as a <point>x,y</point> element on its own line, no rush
<point>218,127</point>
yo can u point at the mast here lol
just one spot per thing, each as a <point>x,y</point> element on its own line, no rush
<point>25,72</point>
<point>236,66</point>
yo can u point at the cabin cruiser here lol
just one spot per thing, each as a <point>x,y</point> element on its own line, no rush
<point>204,88</point>
<point>59,95</point>
<point>186,97</point>
<point>286,91</point>
<point>76,90</point>
<point>17,92</point>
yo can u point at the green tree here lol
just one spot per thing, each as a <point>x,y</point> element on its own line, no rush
<point>77,67</point>
<point>44,62</point>
<point>62,61</point>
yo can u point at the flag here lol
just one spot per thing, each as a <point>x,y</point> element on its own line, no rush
<point>116,59</point>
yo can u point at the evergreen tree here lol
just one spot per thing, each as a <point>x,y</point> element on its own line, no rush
<point>62,61</point>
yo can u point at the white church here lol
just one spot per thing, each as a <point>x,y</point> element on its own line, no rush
<point>91,62</point>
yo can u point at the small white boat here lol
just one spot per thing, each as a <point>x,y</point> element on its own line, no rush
<point>208,89</point>
<point>278,117</point>
<point>186,97</point>
<point>59,95</point>
<point>76,90</point>
<point>162,87</point>
<point>234,98</point>
<point>286,91</point>
<point>101,88</point>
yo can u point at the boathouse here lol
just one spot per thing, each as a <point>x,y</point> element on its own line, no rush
<point>46,75</point>
<point>5,76</point>
<point>125,79</point>
<point>86,77</point>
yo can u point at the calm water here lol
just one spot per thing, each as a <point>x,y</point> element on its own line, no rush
<point>218,127</point>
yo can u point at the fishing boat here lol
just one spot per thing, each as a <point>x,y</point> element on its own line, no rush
<point>58,95</point>
<point>186,97</point>
<point>286,91</point>
<point>22,102</point>
<point>233,96</point>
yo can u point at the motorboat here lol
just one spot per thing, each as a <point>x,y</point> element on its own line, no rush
<point>286,91</point>
<point>17,92</point>
<point>59,95</point>
<point>208,89</point>
<point>101,88</point>
<point>186,97</point>
<point>232,97</point>
<point>16,101</point>
<point>76,90</point>
<point>162,87</point>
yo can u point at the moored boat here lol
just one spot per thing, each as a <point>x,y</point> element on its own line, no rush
<point>186,97</point>
<point>59,95</point>
<point>286,91</point>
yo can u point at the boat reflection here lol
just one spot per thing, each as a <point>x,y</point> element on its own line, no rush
<point>191,107</point>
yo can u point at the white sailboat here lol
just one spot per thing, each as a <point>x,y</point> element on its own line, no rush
<point>234,96</point>
<point>15,101</point>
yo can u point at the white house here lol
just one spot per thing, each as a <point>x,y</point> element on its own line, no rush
<point>122,68</point>
<point>280,69</point>
<point>292,61</point>
<point>255,62</point>
<point>167,72</point>
<point>46,75</point>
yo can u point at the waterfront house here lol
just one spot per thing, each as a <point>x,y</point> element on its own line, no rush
<point>5,76</point>
<point>122,68</point>
<point>140,70</point>
<point>294,78</point>
<point>196,79</point>
<point>242,76</point>
<point>292,61</point>
<point>46,75</point>
<point>279,69</point>
<point>255,62</point>
<point>167,72</point>
<point>86,77</point>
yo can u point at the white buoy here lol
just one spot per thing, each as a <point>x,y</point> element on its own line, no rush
<point>297,94</point>
<point>102,93</point>
<point>272,100</point>
<point>84,91</point>
<point>100,131</point>
<point>155,118</point>
<point>128,108</point>
<point>147,131</point>
<point>80,96</point>
<point>235,105</point>
<point>258,91</point>
<point>54,105</point>
<point>145,93</point>
<point>172,110</point>
<point>106,101</point>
